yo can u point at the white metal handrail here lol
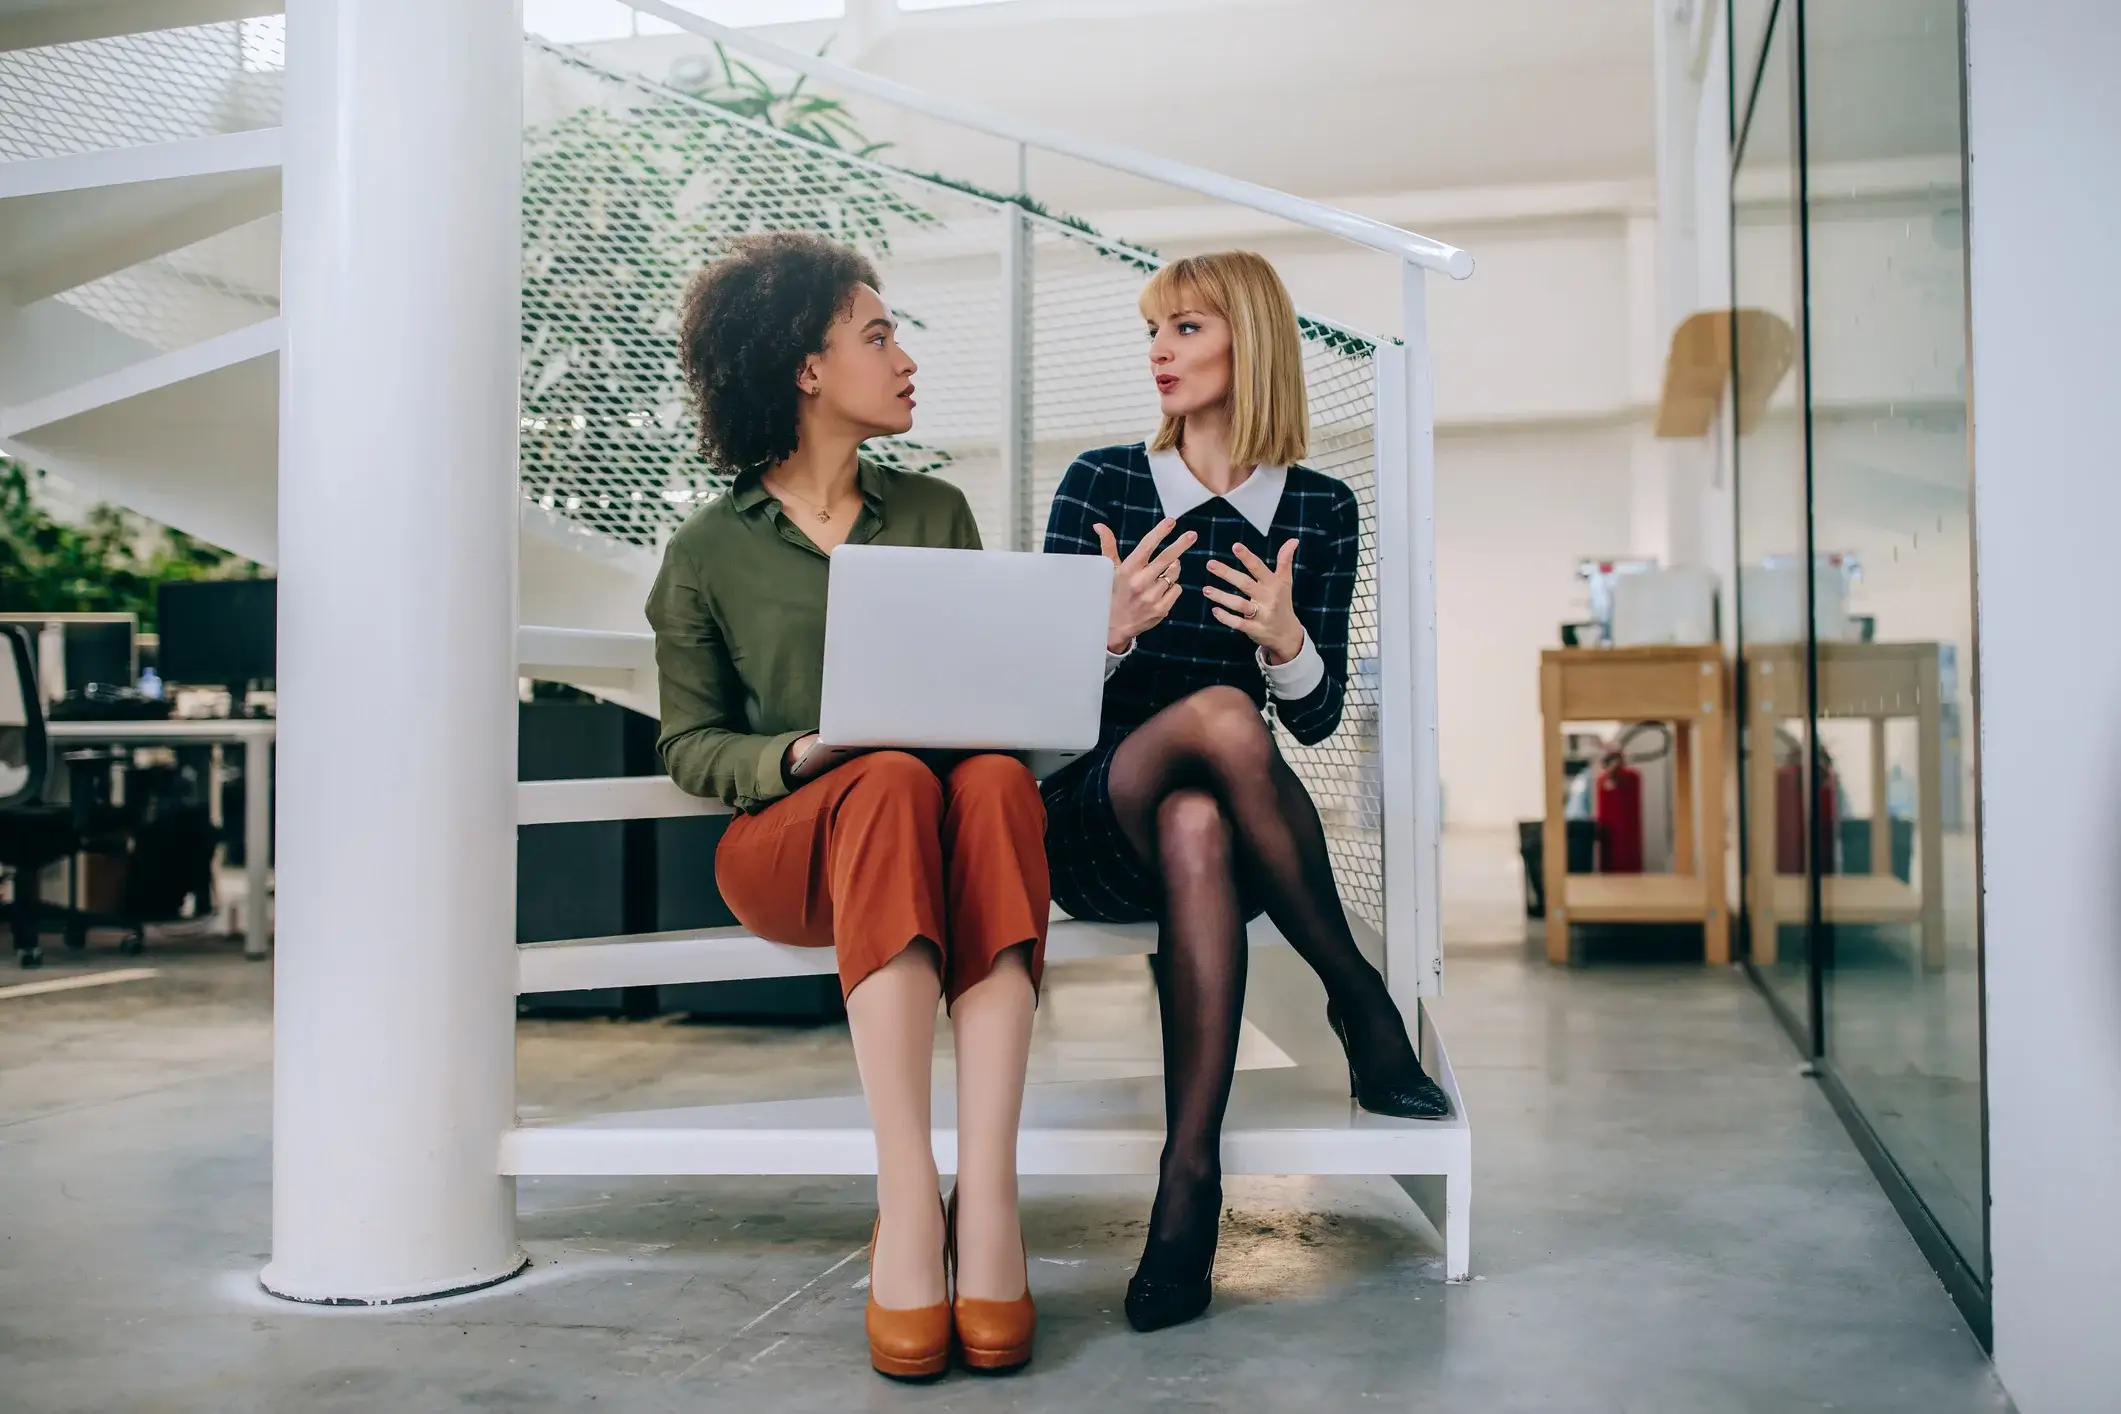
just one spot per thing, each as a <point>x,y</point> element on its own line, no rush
<point>1362,230</point>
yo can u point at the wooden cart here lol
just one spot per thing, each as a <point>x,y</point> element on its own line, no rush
<point>1685,686</point>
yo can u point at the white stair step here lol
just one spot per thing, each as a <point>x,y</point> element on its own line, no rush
<point>190,438</point>
<point>734,954</point>
<point>607,798</point>
<point>589,658</point>
<point>1286,1120</point>
<point>67,220</point>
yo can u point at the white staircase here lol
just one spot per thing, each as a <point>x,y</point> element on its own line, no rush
<point>140,351</point>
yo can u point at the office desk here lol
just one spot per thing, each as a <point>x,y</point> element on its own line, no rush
<point>255,735</point>
<point>1681,685</point>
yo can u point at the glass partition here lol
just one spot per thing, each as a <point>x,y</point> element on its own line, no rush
<point>1859,847</point>
<point>1892,488</point>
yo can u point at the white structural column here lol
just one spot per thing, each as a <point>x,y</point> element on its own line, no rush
<point>394,998</point>
<point>2044,188</point>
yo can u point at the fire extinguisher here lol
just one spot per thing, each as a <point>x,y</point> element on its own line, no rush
<point>1616,804</point>
<point>1789,808</point>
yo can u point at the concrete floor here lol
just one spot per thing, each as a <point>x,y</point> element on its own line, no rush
<point>1668,1218</point>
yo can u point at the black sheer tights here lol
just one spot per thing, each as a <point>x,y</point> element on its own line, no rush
<point>1201,790</point>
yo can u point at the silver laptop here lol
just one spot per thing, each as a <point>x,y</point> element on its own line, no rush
<point>964,650</point>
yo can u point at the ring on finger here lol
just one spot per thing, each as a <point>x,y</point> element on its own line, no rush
<point>1163,576</point>
<point>1251,611</point>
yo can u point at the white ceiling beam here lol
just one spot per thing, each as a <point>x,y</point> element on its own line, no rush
<point>1453,208</point>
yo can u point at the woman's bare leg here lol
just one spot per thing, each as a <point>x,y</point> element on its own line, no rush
<point>891,1013</point>
<point>993,1022</point>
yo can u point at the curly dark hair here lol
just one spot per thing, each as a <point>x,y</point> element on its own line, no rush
<point>748,322</point>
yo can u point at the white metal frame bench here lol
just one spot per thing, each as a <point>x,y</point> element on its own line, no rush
<point>1284,1120</point>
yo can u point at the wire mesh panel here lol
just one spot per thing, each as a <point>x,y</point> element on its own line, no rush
<point>629,187</point>
<point>626,194</point>
<point>133,89</point>
<point>1344,772</point>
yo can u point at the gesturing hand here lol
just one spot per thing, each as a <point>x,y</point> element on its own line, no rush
<point>1144,584</point>
<point>1261,610</point>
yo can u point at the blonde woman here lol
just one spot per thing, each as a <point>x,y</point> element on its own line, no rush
<point>1236,567</point>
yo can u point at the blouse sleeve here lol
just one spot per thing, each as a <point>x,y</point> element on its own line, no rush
<point>1075,511</point>
<point>1324,592</point>
<point>706,745</point>
<point>1069,528</point>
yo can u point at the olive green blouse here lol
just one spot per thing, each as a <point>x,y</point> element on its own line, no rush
<point>739,618</point>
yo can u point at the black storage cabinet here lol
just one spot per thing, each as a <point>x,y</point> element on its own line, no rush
<point>600,878</point>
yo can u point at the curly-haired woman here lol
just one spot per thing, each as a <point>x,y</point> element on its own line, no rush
<point>925,886</point>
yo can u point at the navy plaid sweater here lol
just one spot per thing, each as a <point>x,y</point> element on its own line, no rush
<point>1189,650</point>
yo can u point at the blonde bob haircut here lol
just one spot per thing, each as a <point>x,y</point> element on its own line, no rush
<point>1270,411</point>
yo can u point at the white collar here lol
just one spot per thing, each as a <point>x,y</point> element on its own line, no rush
<point>1255,498</point>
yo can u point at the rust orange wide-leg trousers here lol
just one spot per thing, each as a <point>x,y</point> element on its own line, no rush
<point>881,851</point>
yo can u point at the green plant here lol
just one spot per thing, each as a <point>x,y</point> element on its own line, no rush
<point>112,562</point>
<point>744,91</point>
<point>623,200</point>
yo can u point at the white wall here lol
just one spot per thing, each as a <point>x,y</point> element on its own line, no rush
<point>2044,112</point>
<point>1515,510</point>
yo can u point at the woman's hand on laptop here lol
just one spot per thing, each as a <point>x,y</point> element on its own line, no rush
<point>1144,583</point>
<point>792,762</point>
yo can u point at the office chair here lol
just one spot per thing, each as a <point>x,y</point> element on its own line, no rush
<point>33,834</point>
<point>166,845</point>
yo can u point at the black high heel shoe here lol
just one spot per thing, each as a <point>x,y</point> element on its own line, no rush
<point>1412,1096</point>
<point>1154,1303</point>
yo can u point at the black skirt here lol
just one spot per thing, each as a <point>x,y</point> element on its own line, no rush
<point>1097,876</point>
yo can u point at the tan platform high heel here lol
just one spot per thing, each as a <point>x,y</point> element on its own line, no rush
<point>993,1337</point>
<point>909,1344</point>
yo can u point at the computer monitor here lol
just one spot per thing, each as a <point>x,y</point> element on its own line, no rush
<point>84,648</point>
<point>217,632</point>
<point>98,651</point>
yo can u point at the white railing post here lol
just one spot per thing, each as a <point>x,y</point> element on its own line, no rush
<point>394,986</point>
<point>1406,567</point>
<point>1016,433</point>
<point>1427,763</point>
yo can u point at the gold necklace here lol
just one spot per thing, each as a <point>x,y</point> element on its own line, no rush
<point>824,515</point>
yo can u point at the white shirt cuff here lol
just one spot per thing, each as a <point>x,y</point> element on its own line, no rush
<point>1113,660</point>
<point>1299,677</point>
